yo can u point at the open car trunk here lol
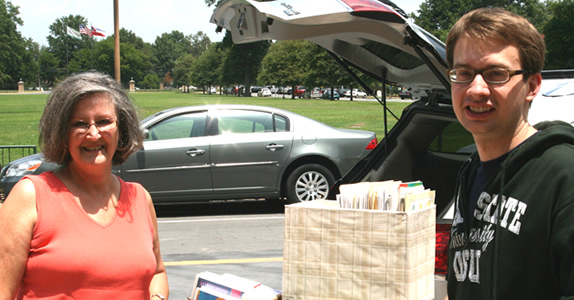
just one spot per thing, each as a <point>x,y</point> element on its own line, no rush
<point>373,36</point>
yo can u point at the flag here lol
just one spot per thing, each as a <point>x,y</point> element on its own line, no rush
<point>73,33</point>
<point>85,30</point>
<point>97,31</point>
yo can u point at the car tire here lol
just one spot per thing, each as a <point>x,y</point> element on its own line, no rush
<point>308,183</point>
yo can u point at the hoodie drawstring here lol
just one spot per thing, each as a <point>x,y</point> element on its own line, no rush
<point>498,212</point>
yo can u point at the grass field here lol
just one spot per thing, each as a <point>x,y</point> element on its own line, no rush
<point>20,113</point>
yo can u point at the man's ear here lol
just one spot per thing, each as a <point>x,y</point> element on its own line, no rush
<point>534,84</point>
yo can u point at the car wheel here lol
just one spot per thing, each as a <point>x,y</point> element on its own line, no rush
<point>308,183</point>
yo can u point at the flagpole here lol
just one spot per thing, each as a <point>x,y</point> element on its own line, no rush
<point>67,71</point>
<point>117,40</point>
<point>80,57</point>
<point>92,46</point>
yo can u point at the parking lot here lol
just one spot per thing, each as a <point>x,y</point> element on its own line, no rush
<point>369,98</point>
<point>214,237</point>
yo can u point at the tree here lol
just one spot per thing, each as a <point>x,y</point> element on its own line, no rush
<point>133,62</point>
<point>285,63</point>
<point>151,81</point>
<point>323,70</point>
<point>182,69</point>
<point>438,16</point>
<point>167,49</point>
<point>49,67</point>
<point>129,37</point>
<point>199,43</point>
<point>243,62</point>
<point>73,55</point>
<point>12,46</point>
<point>558,35</point>
<point>167,79</point>
<point>29,71</point>
<point>205,71</point>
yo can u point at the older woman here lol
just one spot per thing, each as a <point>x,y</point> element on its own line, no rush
<point>80,232</point>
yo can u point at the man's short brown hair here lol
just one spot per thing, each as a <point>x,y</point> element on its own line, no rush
<point>487,24</point>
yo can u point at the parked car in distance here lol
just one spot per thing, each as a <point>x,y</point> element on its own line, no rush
<point>359,94</point>
<point>300,91</point>
<point>283,90</point>
<point>316,93</point>
<point>273,89</point>
<point>405,94</point>
<point>264,92</point>
<point>219,152</point>
<point>327,95</point>
<point>235,90</point>
<point>256,89</point>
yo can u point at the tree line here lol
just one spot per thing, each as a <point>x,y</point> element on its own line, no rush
<point>177,59</point>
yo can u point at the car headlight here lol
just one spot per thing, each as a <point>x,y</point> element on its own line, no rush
<point>23,168</point>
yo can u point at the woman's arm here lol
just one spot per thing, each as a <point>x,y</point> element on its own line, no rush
<point>158,284</point>
<point>18,217</point>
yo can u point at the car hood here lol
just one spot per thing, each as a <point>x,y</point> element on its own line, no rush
<point>555,101</point>
<point>373,36</point>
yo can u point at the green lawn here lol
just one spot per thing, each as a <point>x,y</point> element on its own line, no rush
<point>20,113</point>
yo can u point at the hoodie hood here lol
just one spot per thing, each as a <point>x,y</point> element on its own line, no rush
<point>550,133</point>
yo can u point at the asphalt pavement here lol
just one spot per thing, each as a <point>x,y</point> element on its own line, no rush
<point>242,238</point>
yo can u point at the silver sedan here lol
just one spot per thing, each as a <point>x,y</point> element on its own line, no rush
<point>222,152</point>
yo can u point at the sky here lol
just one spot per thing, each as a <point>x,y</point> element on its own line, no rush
<point>148,19</point>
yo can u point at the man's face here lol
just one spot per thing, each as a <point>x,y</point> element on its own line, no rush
<point>485,109</point>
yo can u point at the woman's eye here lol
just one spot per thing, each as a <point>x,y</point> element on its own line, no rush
<point>104,122</point>
<point>80,124</point>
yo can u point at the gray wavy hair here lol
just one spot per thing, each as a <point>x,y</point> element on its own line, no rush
<point>58,111</point>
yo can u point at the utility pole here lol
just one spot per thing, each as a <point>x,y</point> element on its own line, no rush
<point>117,40</point>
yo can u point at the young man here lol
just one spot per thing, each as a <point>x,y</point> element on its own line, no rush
<point>513,230</point>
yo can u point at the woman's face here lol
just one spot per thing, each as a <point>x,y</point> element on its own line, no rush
<point>93,131</point>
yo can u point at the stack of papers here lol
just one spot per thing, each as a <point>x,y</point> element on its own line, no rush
<point>211,286</point>
<point>386,195</point>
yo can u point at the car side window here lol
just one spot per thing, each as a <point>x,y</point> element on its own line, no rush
<point>281,123</point>
<point>244,121</point>
<point>178,127</point>
<point>453,139</point>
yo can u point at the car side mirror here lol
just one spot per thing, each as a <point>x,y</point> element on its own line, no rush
<point>146,134</point>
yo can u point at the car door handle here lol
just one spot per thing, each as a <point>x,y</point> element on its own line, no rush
<point>273,147</point>
<point>195,152</point>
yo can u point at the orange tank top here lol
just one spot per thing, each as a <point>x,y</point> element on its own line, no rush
<point>74,257</point>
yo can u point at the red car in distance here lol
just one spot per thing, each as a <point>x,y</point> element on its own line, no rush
<point>299,91</point>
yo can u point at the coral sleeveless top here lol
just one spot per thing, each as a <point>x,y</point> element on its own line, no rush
<point>74,257</point>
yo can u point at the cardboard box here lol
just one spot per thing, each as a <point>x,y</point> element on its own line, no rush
<point>332,253</point>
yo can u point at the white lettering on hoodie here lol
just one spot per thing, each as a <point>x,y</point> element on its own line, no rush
<point>467,261</point>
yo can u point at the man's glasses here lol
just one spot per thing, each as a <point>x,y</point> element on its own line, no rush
<point>103,125</point>
<point>494,75</point>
